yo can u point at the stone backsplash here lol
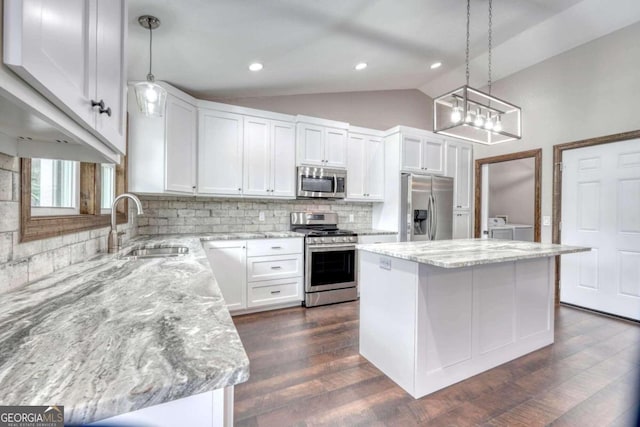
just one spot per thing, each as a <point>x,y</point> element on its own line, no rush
<point>185,215</point>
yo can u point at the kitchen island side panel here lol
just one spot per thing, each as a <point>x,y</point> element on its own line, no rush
<point>388,295</point>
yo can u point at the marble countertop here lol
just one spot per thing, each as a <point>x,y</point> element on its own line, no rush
<point>112,335</point>
<point>250,236</point>
<point>468,252</point>
<point>372,232</point>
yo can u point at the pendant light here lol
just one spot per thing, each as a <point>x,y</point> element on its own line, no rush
<point>487,119</point>
<point>150,95</point>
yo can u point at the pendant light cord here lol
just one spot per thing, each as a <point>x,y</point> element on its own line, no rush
<point>467,50</point>
<point>490,40</point>
<point>150,75</point>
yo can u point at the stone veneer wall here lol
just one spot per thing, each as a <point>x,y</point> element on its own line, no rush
<point>25,262</point>
<point>183,215</point>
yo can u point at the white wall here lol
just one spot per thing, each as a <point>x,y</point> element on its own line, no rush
<point>381,109</point>
<point>589,91</point>
<point>512,190</point>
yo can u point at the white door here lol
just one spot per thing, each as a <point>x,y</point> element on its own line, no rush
<point>375,169</point>
<point>433,160</point>
<point>257,157</point>
<point>50,44</point>
<point>220,153</point>
<point>111,70</point>
<point>335,148</point>
<point>411,152</point>
<point>601,209</point>
<point>228,261</point>
<point>180,146</point>
<point>283,163</point>
<point>356,161</point>
<point>310,144</point>
<point>461,225</point>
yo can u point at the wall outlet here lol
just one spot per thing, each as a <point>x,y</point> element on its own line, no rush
<point>261,216</point>
<point>546,220</point>
<point>351,218</point>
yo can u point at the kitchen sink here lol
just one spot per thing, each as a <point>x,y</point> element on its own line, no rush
<point>157,252</point>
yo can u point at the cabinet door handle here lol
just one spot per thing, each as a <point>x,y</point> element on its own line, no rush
<point>239,189</point>
<point>275,292</point>
<point>101,109</point>
<point>276,247</point>
<point>276,267</point>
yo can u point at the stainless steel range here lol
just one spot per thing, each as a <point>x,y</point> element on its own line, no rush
<point>330,273</point>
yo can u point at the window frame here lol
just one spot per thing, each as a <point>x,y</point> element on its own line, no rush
<point>90,217</point>
<point>38,211</point>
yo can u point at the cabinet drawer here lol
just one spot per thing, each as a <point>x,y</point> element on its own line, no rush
<point>274,267</point>
<point>266,247</point>
<point>380,238</point>
<point>275,291</point>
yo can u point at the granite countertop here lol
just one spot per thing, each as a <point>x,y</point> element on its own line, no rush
<point>372,232</point>
<point>250,236</point>
<point>468,252</point>
<point>112,335</point>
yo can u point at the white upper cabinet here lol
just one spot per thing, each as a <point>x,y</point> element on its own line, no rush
<point>269,158</point>
<point>162,151</point>
<point>220,148</point>
<point>77,63</point>
<point>365,166</point>
<point>459,166</point>
<point>180,146</point>
<point>321,142</point>
<point>422,154</point>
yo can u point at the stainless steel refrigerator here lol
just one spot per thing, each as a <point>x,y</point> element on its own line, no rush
<point>426,207</point>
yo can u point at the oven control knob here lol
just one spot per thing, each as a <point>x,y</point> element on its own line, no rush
<point>322,239</point>
<point>345,239</point>
<point>335,239</point>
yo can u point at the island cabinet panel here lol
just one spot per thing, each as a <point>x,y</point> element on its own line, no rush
<point>429,327</point>
<point>449,304</point>
<point>380,331</point>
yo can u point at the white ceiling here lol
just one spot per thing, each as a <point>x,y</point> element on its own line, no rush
<point>311,46</point>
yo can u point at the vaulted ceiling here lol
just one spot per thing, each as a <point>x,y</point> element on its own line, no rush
<point>312,46</point>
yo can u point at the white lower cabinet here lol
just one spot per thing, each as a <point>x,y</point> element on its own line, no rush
<point>208,409</point>
<point>228,260</point>
<point>461,225</point>
<point>257,273</point>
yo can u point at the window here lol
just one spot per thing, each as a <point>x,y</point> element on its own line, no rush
<point>107,187</point>
<point>59,197</point>
<point>55,187</point>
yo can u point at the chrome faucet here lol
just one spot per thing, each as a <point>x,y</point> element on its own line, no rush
<point>115,242</point>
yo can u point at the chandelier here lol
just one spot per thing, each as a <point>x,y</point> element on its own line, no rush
<point>151,96</point>
<point>473,115</point>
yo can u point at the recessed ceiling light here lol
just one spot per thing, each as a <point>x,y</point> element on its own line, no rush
<point>256,66</point>
<point>361,66</point>
<point>436,65</point>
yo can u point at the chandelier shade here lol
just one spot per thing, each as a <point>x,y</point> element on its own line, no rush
<point>472,115</point>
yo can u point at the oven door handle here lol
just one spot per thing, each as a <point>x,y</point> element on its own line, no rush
<point>326,248</point>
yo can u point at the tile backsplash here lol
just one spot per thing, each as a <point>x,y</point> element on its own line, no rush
<point>184,215</point>
<point>26,262</point>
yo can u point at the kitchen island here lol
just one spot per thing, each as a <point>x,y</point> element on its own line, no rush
<point>435,313</point>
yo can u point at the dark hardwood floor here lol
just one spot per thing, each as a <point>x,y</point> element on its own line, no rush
<point>306,370</point>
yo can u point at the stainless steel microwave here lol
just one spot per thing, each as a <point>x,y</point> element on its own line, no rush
<point>322,183</point>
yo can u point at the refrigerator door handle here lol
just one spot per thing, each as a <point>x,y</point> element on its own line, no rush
<point>433,219</point>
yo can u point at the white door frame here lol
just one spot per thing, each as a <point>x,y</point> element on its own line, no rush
<point>558,151</point>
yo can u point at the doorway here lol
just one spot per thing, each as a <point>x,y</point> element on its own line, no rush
<point>515,179</point>
<point>597,202</point>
